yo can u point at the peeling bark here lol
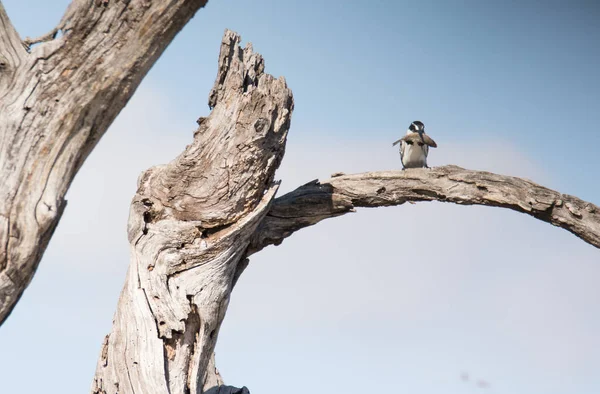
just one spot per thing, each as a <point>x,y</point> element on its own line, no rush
<point>56,100</point>
<point>315,201</point>
<point>189,227</point>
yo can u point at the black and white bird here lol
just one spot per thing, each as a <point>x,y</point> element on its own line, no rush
<point>414,146</point>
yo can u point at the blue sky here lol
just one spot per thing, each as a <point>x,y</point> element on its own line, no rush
<point>358,303</point>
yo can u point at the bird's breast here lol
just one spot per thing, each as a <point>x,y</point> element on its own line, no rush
<point>414,156</point>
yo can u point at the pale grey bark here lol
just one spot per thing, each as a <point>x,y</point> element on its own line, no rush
<point>189,226</point>
<point>193,222</point>
<point>56,100</point>
<point>315,201</point>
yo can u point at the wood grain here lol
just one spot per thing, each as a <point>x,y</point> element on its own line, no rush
<point>316,201</point>
<point>57,99</point>
<point>189,227</point>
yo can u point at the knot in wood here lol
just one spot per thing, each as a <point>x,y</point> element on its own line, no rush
<point>260,124</point>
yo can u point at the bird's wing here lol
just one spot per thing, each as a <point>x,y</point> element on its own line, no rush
<point>428,140</point>
<point>420,137</point>
<point>412,138</point>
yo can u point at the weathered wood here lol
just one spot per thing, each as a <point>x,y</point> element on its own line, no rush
<point>194,221</point>
<point>56,100</point>
<point>315,201</point>
<point>189,227</point>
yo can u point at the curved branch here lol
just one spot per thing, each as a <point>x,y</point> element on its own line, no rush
<point>315,201</point>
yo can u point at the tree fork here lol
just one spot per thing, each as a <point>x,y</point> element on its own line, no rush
<point>194,222</point>
<point>57,99</point>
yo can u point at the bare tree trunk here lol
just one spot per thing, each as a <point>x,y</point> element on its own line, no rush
<point>189,227</point>
<point>56,100</point>
<point>194,222</point>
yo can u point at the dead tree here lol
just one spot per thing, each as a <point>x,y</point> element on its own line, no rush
<point>195,221</point>
<point>58,95</point>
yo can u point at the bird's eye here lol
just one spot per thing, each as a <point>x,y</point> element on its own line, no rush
<point>409,142</point>
<point>420,143</point>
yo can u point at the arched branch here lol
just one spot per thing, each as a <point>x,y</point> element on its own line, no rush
<point>315,201</point>
<point>194,221</point>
